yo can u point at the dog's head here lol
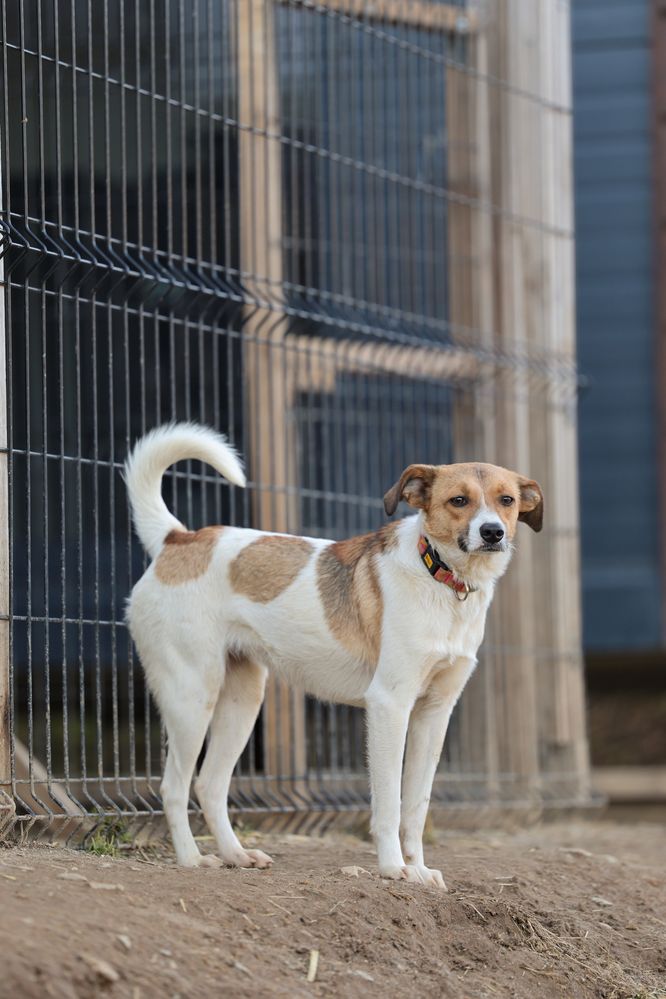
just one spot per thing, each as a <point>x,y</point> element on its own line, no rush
<point>474,506</point>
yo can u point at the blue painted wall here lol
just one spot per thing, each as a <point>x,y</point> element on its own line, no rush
<point>616,323</point>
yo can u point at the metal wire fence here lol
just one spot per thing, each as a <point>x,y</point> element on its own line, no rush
<point>301,223</point>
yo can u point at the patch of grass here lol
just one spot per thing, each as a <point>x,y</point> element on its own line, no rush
<point>108,838</point>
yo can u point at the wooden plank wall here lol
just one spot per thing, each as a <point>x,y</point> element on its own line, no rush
<point>511,277</point>
<point>512,280</point>
<point>524,713</point>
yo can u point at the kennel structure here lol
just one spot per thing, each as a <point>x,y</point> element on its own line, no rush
<point>340,232</point>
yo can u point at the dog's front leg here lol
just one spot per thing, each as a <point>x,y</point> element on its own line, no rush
<point>387,718</point>
<point>427,731</point>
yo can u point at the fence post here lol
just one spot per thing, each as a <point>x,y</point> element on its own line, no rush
<point>7,804</point>
<point>471,309</point>
<point>539,682</point>
<point>512,619</point>
<point>564,749</point>
<point>268,372</point>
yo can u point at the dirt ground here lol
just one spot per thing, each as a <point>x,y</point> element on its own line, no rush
<point>568,910</point>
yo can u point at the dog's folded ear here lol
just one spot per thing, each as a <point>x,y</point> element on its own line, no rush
<point>531,503</point>
<point>413,486</point>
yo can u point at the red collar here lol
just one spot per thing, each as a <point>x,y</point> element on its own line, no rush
<point>440,571</point>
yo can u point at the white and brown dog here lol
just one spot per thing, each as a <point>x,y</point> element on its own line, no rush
<point>390,621</point>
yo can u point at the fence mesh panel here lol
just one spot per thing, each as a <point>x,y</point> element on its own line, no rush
<point>294,222</point>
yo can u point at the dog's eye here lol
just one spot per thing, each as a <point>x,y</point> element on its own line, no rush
<point>459,501</point>
<point>506,500</point>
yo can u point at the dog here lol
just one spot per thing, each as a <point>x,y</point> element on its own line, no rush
<point>390,621</point>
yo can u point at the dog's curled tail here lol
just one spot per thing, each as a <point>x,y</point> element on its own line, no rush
<point>149,460</point>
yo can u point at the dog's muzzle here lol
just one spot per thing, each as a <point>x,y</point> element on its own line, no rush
<point>491,538</point>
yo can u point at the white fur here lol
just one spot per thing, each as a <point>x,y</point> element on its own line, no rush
<point>484,516</point>
<point>150,458</point>
<point>185,633</point>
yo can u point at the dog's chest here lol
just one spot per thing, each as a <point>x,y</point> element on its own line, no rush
<point>443,626</point>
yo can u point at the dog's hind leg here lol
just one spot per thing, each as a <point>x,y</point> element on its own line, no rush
<point>235,713</point>
<point>186,708</point>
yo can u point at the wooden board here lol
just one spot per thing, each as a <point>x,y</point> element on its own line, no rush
<point>511,636</point>
<point>426,14</point>
<point>562,702</point>
<point>469,311</point>
<point>630,784</point>
<point>269,388</point>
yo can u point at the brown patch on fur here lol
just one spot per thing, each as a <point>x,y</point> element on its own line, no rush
<point>186,555</point>
<point>350,592</point>
<point>244,678</point>
<point>414,487</point>
<point>531,503</point>
<point>264,569</point>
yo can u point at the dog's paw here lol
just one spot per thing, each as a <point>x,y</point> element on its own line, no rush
<point>238,857</point>
<point>432,877</point>
<point>415,875</point>
<point>255,858</point>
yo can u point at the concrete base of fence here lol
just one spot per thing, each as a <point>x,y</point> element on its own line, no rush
<point>143,828</point>
<point>42,795</point>
<point>631,784</point>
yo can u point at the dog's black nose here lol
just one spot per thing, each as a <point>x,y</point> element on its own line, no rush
<point>491,533</point>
